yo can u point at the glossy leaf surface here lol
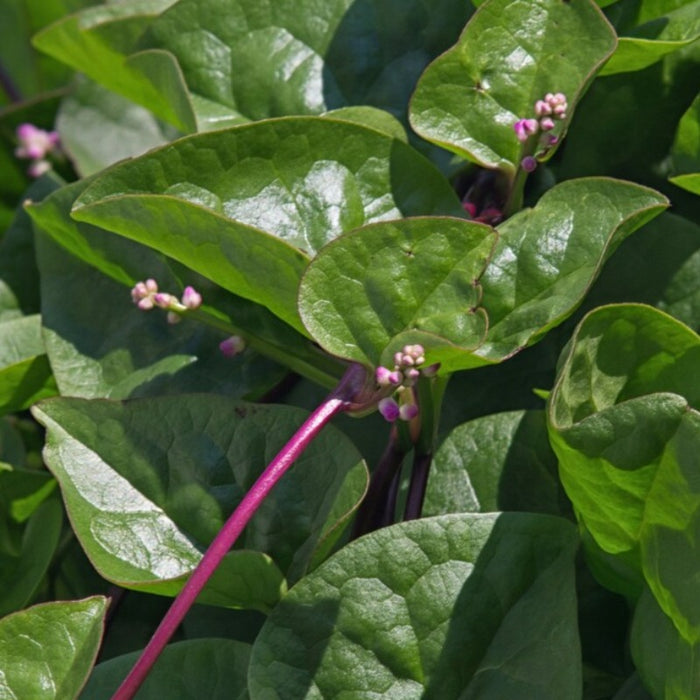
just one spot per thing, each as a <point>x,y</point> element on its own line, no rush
<point>174,473</point>
<point>429,608</point>
<point>47,651</point>
<point>547,257</point>
<point>509,56</point>
<point>383,286</point>
<point>247,207</point>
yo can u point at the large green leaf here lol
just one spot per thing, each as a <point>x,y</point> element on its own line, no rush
<point>302,57</point>
<point>99,42</point>
<point>547,257</point>
<point>627,433</point>
<point>413,280</point>
<point>215,669</point>
<point>509,56</point>
<point>501,462</point>
<point>176,467</point>
<point>247,206</point>
<point>46,652</point>
<point>470,606</point>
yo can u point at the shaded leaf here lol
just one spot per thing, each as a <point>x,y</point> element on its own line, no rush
<point>509,56</point>
<point>413,280</point>
<point>431,608</point>
<point>193,669</point>
<point>175,469</point>
<point>47,651</point>
<point>501,462</point>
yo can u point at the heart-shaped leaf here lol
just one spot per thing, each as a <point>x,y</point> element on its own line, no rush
<point>509,56</point>
<point>547,257</point>
<point>247,207</point>
<point>165,473</point>
<point>47,651</point>
<point>189,670</point>
<point>413,280</point>
<point>431,608</point>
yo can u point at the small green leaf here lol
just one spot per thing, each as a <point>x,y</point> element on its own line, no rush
<point>170,470</point>
<point>25,375</point>
<point>215,669</point>
<point>685,152</point>
<point>501,462</point>
<point>547,257</point>
<point>655,39</point>
<point>247,207</point>
<point>668,664</point>
<point>388,284</point>
<point>509,56</point>
<point>99,42</point>
<point>47,651</point>
<point>21,575</point>
<point>431,608</point>
<point>99,127</point>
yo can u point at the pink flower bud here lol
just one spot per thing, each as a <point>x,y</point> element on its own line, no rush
<point>470,208</point>
<point>232,346</point>
<point>163,300</point>
<point>145,304</point>
<point>191,298</point>
<point>524,128</point>
<point>411,376</point>
<point>431,370</point>
<point>383,376</point>
<point>547,123</point>
<point>38,168</point>
<point>408,411</point>
<point>389,409</point>
<point>528,164</point>
<point>173,318</point>
<point>542,108</point>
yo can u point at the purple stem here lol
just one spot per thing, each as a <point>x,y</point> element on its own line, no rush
<point>340,399</point>
<point>8,86</point>
<point>416,489</point>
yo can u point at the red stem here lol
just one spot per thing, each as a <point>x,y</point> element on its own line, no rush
<point>340,399</point>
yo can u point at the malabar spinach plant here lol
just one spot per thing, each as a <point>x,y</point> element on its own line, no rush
<point>348,349</point>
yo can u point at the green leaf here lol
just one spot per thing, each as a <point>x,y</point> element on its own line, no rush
<point>175,469</point>
<point>547,257</point>
<point>25,375</point>
<point>99,128</point>
<point>509,56</point>
<point>431,608</point>
<point>47,651</point>
<point>653,40</point>
<point>685,152</point>
<point>299,57</point>
<point>22,491</point>
<point>189,670</point>
<point>247,206</point>
<point>501,462</point>
<point>99,42</point>
<point>668,664</point>
<point>413,280</point>
<point>126,352</point>
<point>21,575</point>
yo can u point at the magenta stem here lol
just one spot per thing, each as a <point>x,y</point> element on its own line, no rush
<point>340,399</point>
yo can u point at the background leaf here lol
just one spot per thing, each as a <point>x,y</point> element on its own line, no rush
<point>47,651</point>
<point>215,668</point>
<point>429,608</point>
<point>507,58</point>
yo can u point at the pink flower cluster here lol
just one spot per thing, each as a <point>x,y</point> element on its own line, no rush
<point>402,379</point>
<point>553,107</point>
<point>36,144</point>
<point>147,296</point>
